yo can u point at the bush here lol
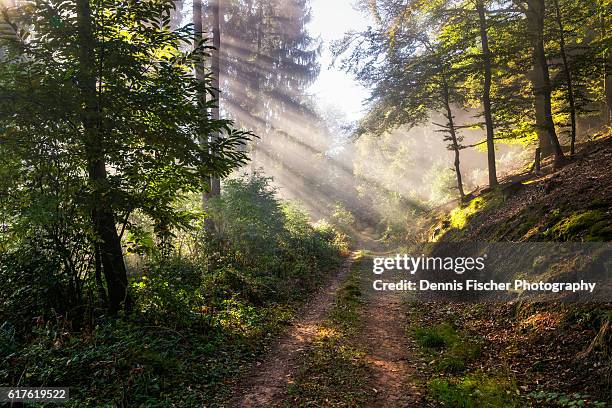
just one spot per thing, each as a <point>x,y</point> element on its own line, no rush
<point>268,239</point>
<point>34,286</point>
<point>200,314</point>
<point>170,291</point>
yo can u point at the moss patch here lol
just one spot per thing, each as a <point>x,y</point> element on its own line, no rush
<point>591,225</point>
<point>460,215</point>
<point>474,390</point>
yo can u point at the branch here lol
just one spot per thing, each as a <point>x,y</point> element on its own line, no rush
<point>520,5</point>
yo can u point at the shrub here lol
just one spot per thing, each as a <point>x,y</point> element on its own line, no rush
<point>170,291</point>
<point>265,237</point>
<point>221,294</point>
<point>34,286</point>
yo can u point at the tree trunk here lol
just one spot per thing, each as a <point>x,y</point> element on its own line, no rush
<point>607,68</point>
<point>537,163</point>
<point>453,136</point>
<point>98,274</point>
<point>258,110</point>
<point>215,182</point>
<point>200,76</point>
<point>608,88</point>
<point>103,216</point>
<point>486,94</point>
<point>549,143</point>
<point>568,76</point>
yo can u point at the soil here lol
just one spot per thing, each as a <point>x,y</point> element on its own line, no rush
<point>389,352</point>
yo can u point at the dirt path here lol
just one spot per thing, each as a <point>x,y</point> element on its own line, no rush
<point>388,350</point>
<point>266,384</point>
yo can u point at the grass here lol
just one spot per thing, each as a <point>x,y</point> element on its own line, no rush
<point>333,371</point>
<point>453,350</point>
<point>436,337</point>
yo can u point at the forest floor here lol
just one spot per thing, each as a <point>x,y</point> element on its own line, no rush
<point>389,352</point>
<point>356,347</point>
<point>394,351</point>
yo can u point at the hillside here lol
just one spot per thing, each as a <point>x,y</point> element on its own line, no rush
<point>522,352</point>
<point>569,204</point>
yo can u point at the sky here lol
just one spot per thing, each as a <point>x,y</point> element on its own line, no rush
<point>331,19</point>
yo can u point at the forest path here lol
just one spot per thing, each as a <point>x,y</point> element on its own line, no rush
<point>266,384</point>
<point>388,348</point>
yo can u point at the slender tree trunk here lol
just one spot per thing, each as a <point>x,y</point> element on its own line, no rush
<point>486,94</point>
<point>103,216</point>
<point>257,83</point>
<point>537,164</point>
<point>568,76</point>
<point>608,87</point>
<point>215,182</point>
<point>98,274</point>
<point>453,135</point>
<point>542,89</point>
<point>200,76</point>
<point>607,58</point>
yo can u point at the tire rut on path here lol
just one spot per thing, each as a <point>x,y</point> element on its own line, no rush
<point>266,384</point>
<point>388,349</point>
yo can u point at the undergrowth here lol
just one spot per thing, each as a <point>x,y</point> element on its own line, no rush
<point>203,311</point>
<point>451,350</point>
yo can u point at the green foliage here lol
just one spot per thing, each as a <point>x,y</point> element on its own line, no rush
<point>442,181</point>
<point>199,317</point>
<point>474,391</point>
<point>255,229</point>
<point>559,399</point>
<point>342,219</point>
<point>593,225</point>
<point>451,364</point>
<point>455,350</point>
<point>329,233</point>
<point>170,291</point>
<point>248,218</point>
<point>349,299</point>
<point>437,337</point>
<point>138,151</point>
<point>152,365</point>
<point>272,34</point>
<point>35,286</point>
<point>460,215</point>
